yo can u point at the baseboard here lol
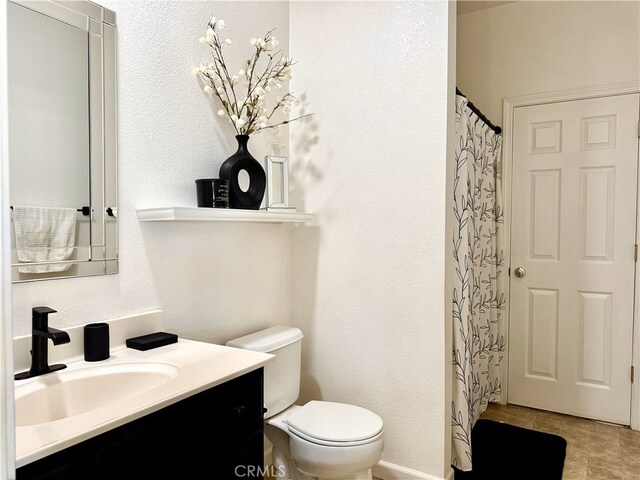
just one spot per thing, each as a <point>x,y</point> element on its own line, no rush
<point>391,471</point>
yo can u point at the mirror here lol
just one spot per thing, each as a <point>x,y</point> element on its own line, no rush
<point>62,139</point>
<point>278,187</point>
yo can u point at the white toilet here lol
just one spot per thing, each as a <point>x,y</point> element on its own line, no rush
<point>320,440</point>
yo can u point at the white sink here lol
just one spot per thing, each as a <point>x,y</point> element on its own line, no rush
<point>70,392</point>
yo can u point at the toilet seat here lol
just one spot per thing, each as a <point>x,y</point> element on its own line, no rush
<point>328,443</point>
<point>335,424</point>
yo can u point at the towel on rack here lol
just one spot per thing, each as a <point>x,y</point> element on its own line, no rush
<point>44,234</point>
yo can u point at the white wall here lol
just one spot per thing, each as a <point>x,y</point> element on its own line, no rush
<point>368,279</point>
<point>213,281</point>
<point>366,283</point>
<point>534,47</point>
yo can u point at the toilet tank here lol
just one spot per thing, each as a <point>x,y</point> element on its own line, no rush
<point>282,376</point>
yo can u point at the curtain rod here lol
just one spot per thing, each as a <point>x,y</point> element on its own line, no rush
<point>477,111</point>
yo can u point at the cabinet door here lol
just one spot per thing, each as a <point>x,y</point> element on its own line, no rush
<point>242,458</point>
<point>69,464</point>
<point>237,408</point>
<point>61,472</point>
<point>158,451</point>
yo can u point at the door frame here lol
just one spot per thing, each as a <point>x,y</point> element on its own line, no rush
<point>508,109</point>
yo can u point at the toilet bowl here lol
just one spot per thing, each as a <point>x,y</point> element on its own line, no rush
<point>327,440</point>
<point>319,440</point>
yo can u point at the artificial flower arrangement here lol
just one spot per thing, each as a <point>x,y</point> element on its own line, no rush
<point>242,94</point>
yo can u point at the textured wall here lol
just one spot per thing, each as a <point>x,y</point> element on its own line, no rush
<point>368,279</point>
<point>214,281</point>
<point>536,47</point>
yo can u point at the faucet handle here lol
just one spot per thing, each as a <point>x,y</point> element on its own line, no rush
<point>40,317</point>
<point>42,310</point>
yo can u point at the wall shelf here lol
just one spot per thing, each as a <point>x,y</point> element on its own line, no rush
<point>195,214</point>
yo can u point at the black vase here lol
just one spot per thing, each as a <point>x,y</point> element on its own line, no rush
<point>232,166</point>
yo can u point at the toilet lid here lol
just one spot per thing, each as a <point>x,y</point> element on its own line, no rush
<point>334,422</point>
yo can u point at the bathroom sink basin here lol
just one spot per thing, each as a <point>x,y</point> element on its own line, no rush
<point>70,392</point>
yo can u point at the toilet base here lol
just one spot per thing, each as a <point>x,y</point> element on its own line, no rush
<point>285,469</point>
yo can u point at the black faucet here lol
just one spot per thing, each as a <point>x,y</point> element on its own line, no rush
<point>40,333</point>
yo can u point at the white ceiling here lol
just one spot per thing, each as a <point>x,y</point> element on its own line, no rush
<point>468,6</point>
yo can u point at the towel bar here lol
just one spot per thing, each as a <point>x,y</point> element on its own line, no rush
<point>86,211</point>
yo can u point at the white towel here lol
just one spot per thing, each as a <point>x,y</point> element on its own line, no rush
<point>44,234</point>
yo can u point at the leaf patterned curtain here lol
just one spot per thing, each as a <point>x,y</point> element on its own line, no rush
<point>478,291</point>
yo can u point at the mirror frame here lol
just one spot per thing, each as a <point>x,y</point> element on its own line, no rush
<point>273,191</point>
<point>100,24</point>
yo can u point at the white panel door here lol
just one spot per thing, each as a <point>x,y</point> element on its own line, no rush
<point>573,233</point>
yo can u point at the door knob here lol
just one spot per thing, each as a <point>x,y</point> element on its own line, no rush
<point>519,272</point>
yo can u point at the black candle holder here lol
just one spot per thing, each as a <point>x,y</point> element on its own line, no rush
<point>212,192</point>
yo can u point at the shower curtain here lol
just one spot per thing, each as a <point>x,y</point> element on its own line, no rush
<point>479,283</point>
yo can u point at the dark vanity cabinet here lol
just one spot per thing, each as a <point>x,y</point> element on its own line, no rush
<point>216,434</point>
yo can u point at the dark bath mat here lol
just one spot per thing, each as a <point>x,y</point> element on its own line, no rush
<point>506,452</point>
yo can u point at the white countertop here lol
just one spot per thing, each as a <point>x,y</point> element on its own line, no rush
<point>202,366</point>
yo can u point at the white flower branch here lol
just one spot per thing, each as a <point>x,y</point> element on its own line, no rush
<point>249,115</point>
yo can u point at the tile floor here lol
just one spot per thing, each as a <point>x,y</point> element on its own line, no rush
<point>595,451</point>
